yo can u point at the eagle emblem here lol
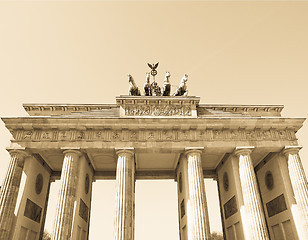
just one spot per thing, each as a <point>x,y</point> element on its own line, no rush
<point>153,67</point>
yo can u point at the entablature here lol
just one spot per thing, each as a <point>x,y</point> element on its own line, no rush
<point>101,131</point>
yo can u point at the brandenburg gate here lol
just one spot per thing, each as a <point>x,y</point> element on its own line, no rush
<point>251,150</point>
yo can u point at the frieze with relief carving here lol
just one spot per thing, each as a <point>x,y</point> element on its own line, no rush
<point>159,110</point>
<point>152,135</point>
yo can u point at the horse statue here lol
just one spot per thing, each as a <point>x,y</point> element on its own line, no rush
<point>167,86</point>
<point>133,89</point>
<point>147,86</point>
<point>182,89</point>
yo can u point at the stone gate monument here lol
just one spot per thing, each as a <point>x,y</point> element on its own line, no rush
<point>251,150</point>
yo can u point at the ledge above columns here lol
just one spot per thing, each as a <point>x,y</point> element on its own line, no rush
<point>243,149</point>
<point>129,150</point>
<point>71,150</point>
<point>291,149</point>
<point>189,150</point>
<point>21,151</point>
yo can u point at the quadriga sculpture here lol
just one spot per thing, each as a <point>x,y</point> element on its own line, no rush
<point>133,89</point>
<point>167,86</point>
<point>182,89</point>
<point>156,89</point>
<point>147,86</point>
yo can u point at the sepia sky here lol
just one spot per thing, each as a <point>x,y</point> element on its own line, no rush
<point>240,52</point>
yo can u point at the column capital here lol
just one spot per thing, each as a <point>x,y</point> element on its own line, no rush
<point>71,150</point>
<point>189,150</point>
<point>19,151</point>
<point>243,150</point>
<point>128,150</point>
<point>291,149</point>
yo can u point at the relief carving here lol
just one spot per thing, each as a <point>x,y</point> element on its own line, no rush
<point>277,205</point>
<point>108,135</point>
<point>83,210</point>
<point>164,110</point>
<point>33,211</point>
<point>80,135</point>
<point>230,207</point>
<point>150,135</point>
<point>28,135</point>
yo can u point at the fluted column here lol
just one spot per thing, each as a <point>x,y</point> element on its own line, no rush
<point>125,195</point>
<point>67,195</point>
<point>9,192</point>
<point>198,226</point>
<point>254,222</point>
<point>298,181</point>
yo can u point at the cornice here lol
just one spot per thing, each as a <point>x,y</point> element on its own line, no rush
<point>243,110</point>
<point>30,123</point>
<point>64,109</point>
<point>131,104</point>
<point>276,107</point>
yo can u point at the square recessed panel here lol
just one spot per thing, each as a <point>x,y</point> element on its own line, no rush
<point>53,158</point>
<point>156,161</point>
<point>103,161</point>
<point>210,161</point>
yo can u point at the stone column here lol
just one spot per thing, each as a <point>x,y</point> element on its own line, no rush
<point>9,192</point>
<point>198,226</point>
<point>125,195</point>
<point>253,220</point>
<point>67,195</point>
<point>298,181</point>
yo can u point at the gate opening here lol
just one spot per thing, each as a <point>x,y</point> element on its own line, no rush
<point>156,210</point>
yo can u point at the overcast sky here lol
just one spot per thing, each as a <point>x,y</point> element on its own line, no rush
<point>81,52</point>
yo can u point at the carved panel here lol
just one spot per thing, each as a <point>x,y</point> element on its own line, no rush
<point>33,211</point>
<point>230,207</point>
<point>83,210</point>
<point>157,110</point>
<point>154,135</point>
<point>277,205</point>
